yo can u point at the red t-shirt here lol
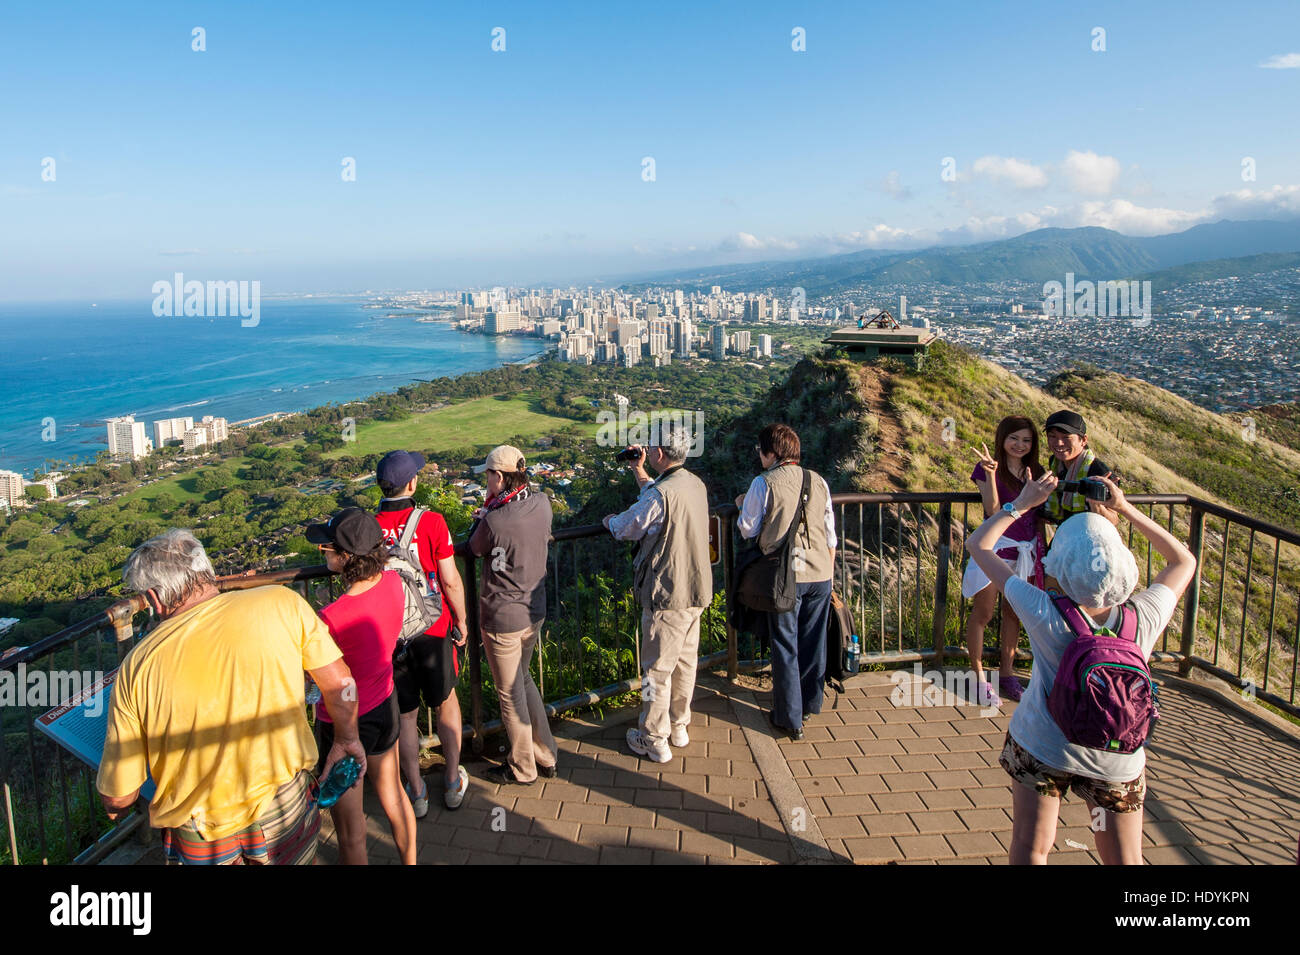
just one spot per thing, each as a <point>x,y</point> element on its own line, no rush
<point>366,627</point>
<point>433,541</point>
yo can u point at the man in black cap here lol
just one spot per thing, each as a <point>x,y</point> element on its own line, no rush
<point>1072,461</point>
<point>431,665</point>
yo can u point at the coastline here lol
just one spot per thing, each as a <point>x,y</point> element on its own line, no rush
<point>300,359</point>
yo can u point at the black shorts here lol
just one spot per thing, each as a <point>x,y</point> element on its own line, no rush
<point>430,669</point>
<point>377,729</point>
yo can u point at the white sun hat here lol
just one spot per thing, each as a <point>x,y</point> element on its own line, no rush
<point>1089,559</point>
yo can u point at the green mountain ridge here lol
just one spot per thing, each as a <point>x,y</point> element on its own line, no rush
<point>1034,257</point>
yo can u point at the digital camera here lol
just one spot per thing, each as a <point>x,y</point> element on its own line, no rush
<point>1092,489</point>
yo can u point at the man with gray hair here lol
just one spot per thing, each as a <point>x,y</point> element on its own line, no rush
<point>211,706</point>
<point>674,584</point>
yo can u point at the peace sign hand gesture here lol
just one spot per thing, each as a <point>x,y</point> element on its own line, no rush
<point>987,461</point>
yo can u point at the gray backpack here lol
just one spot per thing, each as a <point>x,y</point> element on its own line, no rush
<point>423,601</point>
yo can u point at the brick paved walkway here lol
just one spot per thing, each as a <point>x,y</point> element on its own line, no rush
<point>871,782</point>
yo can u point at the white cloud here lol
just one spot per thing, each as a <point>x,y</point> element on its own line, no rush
<point>1279,202</point>
<point>1015,172</point>
<point>181,252</point>
<point>1120,215</point>
<point>1128,218</point>
<point>893,186</point>
<point>1089,173</point>
<point>748,242</point>
<point>1282,61</point>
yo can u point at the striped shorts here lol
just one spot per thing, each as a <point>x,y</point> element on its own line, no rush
<point>285,834</point>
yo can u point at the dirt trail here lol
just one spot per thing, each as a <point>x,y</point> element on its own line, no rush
<point>875,387</point>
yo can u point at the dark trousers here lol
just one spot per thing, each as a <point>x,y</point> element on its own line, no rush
<point>798,640</point>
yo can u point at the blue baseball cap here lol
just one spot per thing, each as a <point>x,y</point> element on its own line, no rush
<point>396,468</point>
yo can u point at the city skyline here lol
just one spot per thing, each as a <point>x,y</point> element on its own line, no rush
<point>773,132</point>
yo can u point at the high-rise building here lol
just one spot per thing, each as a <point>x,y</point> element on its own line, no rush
<point>626,332</point>
<point>740,343</point>
<point>499,321</point>
<point>719,341</point>
<point>126,438</point>
<point>217,428</point>
<point>765,345</point>
<point>194,438</point>
<point>170,429</point>
<point>685,338</point>
<point>11,487</point>
<point>902,309</point>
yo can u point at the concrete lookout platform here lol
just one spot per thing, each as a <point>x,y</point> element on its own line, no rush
<point>887,773</point>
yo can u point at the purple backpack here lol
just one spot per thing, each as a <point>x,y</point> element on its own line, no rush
<point>1103,697</point>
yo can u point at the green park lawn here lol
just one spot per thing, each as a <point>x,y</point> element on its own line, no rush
<point>179,488</point>
<point>491,420</point>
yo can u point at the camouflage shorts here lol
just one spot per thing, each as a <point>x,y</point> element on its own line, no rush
<point>1046,781</point>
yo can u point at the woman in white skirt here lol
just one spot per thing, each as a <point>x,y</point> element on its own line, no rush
<point>1000,477</point>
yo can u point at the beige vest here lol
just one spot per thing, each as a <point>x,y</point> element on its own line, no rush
<point>672,566</point>
<point>783,485</point>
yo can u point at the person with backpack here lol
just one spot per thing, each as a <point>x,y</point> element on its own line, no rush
<point>365,623</point>
<point>429,665</point>
<point>512,533</point>
<point>1089,707</point>
<point>784,495</point>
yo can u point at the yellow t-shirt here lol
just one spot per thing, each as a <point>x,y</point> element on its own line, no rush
<point>211,704</point>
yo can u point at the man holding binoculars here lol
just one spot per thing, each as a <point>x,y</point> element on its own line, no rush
<point>673,581</point>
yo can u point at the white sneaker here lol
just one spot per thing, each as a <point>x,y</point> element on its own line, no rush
<point>419,805</point>
<point>454,797</point>
<point>643,745</point>
<point>679,737</point>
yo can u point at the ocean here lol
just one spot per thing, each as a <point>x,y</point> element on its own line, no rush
<point>68,367</point>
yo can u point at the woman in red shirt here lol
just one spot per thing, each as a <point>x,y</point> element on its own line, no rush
<point>366,622</point>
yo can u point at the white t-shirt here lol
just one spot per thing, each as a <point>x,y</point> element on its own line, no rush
<point>1032,725</point>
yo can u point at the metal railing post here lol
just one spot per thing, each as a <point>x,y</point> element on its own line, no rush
<point>474,644</point>
<point>943,558</point>
<point>1192,599</point>
<point>728,567</point>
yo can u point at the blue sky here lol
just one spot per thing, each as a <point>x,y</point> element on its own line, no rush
<point>525,166</point>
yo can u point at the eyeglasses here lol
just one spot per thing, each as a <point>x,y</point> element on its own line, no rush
<point>324,547</point>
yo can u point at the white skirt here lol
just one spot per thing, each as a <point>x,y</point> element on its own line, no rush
<point>974,580</point>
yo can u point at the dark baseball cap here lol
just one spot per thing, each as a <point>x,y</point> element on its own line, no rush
<point>351,530</point>
<point>396,468</point>
<point>1068,422</point>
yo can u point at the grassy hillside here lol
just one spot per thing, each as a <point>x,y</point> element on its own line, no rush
<point>881,427</point>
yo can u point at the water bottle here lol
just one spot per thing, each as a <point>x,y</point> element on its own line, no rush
<point>851,656</point>
<point>339,781</point>
<point>312,692</point>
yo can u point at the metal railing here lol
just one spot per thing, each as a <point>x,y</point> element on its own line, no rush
<point>898,565</point>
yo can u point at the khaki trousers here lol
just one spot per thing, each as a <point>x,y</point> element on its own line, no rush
<point>522,712</point>
<point>670,651</point>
